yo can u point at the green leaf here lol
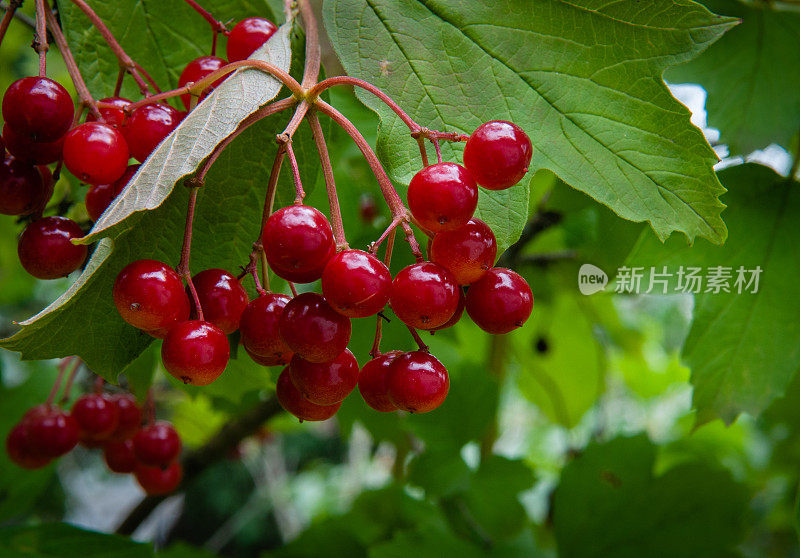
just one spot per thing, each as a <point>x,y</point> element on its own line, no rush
<point>743,349</point>
<point>583,80</point>
<point>752,77</point>
<point>59,540</point>
<point>610,496</point>
<point>439,472</point>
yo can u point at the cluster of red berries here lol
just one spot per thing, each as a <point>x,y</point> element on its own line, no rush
<point>110,422</point>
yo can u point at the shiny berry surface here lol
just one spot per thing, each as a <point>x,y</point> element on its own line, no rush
<point>155,480</point>
<point>247,36</point>
<point>424,295</point>
<point>149,295</point>
<point>52,432</point>
<point>148,126</point>
<point>38,108</point>
<point>325,383</point>
<point>259,330</point>
<point>119,456</point>
<point>454,319</point>
<point>157,445</point>
<point>298,242</point>
<point>222,298</point>
<point>356,284</point>
<point>23,190</point>
<point>467,252</point>
<point>500,301</point>
<point>129,416</point>
<point>34,152</point>
<point>45,248</point>
<point>198,69</point>
<point>18,448</point>
<point>373,382</point>
<point>293,401</point>
<point>97,417</point>
<point>314,330</point>
<point>95,153</point>
<point>113,116</point>
<point>99,197</point>
<point>498,154</point>
<point>195,352</point>
<point>418,382</point>
<point>442,197</point>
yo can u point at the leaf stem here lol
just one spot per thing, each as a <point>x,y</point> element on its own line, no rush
<point>8,16</point>
<point>40,42</point>
<point>183,266</point>
<point>330,185</point>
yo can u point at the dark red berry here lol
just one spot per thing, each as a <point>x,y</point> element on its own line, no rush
<point>97,417</point>
<point>129,414</point>
<point>119,456</point>
<point>424,295</point>
<point>157,445</point>
<point>442,197</point>
<point>155,480</point>
<point>356,284</point>
<point>51,431</point>
<point>33,152</point>
<point>196,70</point>
<point>38,108</point>
<point>149,295</point>
<point>259,330</point>
<point>314,330</point>
<point>455,318</point>
<point>500,301</point>
<point>99,197</point>
<point>247,36</point>
<point>45,248</point>
<point>325,383</point>
<point>23,190</point>
<point>195,352</point>
<point>298,242</point>
<point>497,154</point>
<point>222,298</point>
<point>293,401</point>
<point>418,382</point>
<point>373,382</point>
<point>148,126</point>
<point>95,153</point>
<point>467,252</point>
<point>113,116</point>
<point>19,451</point>
<point>367,208</point>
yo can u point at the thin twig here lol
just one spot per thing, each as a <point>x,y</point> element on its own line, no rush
<point>330,185</point>
<point>298,184</point>
<point>11,13</point>
<point>420,343</point>
<point>313,55</point>
<point>40,42</point>
<point>183,266</point>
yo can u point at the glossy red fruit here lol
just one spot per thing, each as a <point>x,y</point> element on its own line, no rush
<point>19,451</point>
<point>38,108</point>
<point>45,248</point>
<point>157,445</point>
<point>314,330</point>
<point>95,153</point>
<point>325,383</point>
<point>298,242</point>
<point>23,190</point>
<point>149,295</point>
<point>198,69</point>
<point>455,318</point>
<point>293,401</point>
<point>119,456</point>
<point>97,417</point>
<point>52,432</point>
<point>113,116</point>
<point>247,36</point>
<point>442,197</point>
<point>148,126</point>
<point>501,301</point>
<point>155,480</point>
<point>33,152</point>
<point>424,295</point>
<point>373,382</point>
<point>356,284</point>
<point>497,154</point>
<point>259,330</point>
<point>195,352</point>
<point>129,416</point>
<point>467,252</point>
<point>99,197</point>
<point>418,382</point>
<point>222,298</point>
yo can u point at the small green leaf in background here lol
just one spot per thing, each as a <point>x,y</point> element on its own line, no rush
<point>60,540</point>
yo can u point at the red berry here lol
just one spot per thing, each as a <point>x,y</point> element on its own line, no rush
<point>298,242</point>
<point>45,248</point>
<point>119,456</point>
<point>38,108</point>
<point>18,448</point>
<point>467,252</point>
<point>325,383</point>
<point>314,330</point>
<point>148,126</point>
<point>367,208</point>
<point>97,417</point>
<point>155,480</point>
<point>195,352</point>
<point>356,284</point>
<point>99,197</point>
<point>130,416</point>
<point>500,301</point>
<point>196,70</point>
<point>442,197</point>
<point>373,382</point>
<point>418,382</point>
<point>23,190</point>
<point>149,295</point>
<point>293,401</point>
<point>259,330</point>
<point>113,116</point>
<point>424,295</point>
<point>222,298</point>
<point>157,445</point>
<point>51,431</point>
<point>455,318</point>
<point>34,152</point>
<point>497,154</point>
<point>247,36</point>
<point>95,153</point>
